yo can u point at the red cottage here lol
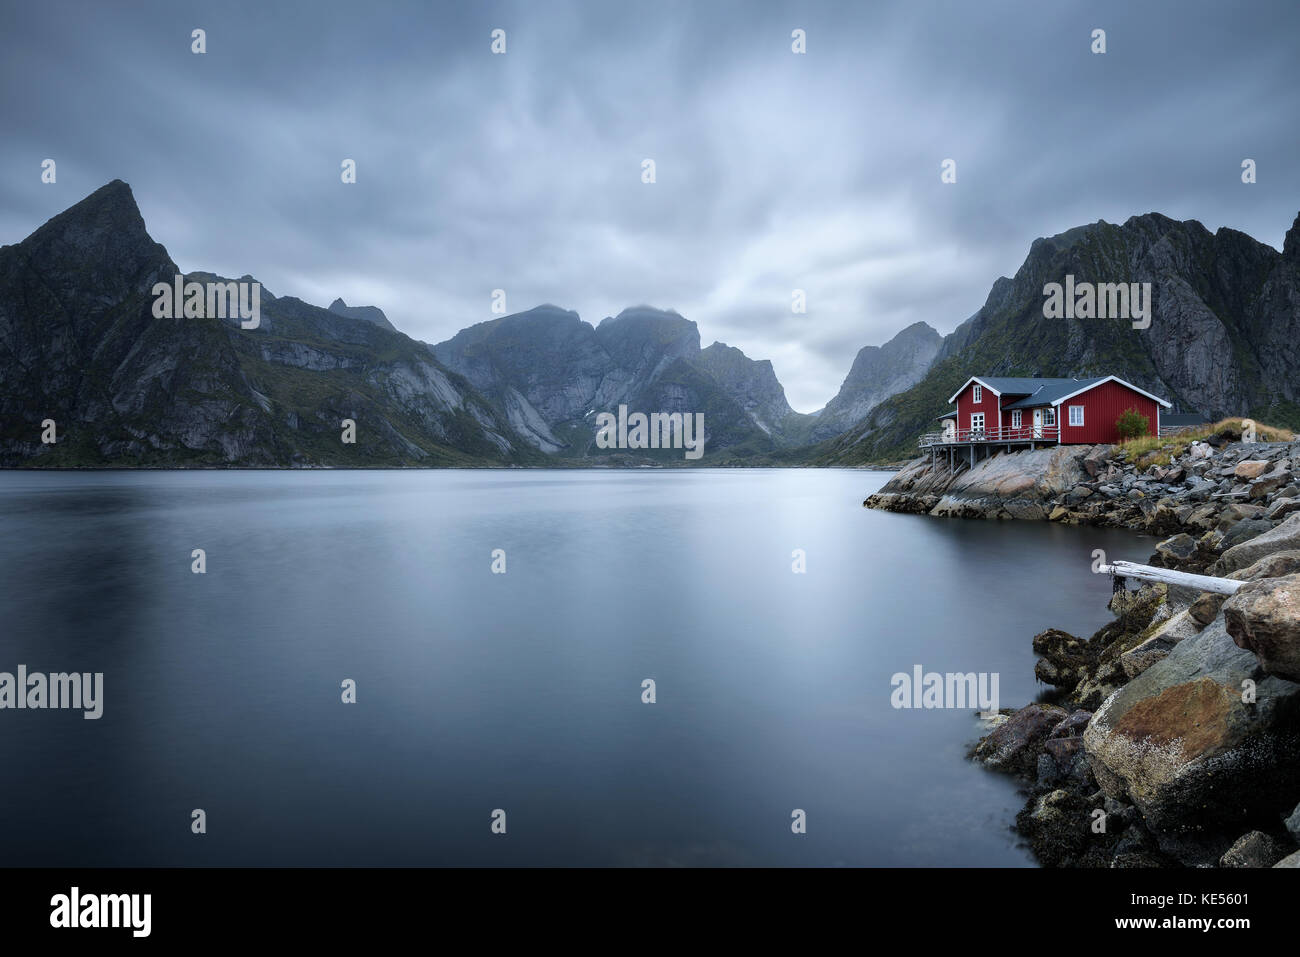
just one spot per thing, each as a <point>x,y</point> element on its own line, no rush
<point>992,411</point>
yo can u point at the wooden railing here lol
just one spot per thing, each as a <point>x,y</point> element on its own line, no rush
<point>1026,433</point>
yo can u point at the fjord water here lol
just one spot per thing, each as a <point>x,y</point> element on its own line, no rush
<point>519,691</point>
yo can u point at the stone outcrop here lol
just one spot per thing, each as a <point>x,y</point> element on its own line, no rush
<point>1194,494</point>
<point>1284,537</point>
<point>1013,746</point>
<point>1264,618</point>
<point>1016,485</point>
<point>1192,747</point>
<point>1200,741</point>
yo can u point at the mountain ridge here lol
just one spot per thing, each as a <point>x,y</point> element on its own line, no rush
<point>79,344</point>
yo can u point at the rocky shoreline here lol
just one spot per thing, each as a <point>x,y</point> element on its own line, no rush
<point>1171,737</point>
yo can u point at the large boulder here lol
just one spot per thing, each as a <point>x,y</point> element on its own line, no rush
<point>1255,849</point>
<point>1162,641</point>
<point>1251,468</point>
<point>1275,565</point>
<point>1013,746</point>
<point>1189,745</point>
<point>1264,617</point>
<point>1282,507</point>
<point>1282,538</point>
<point>1235,512</point>
<point>1177,550</point>
<point>1094,460</point>
<point>1245,530</point>
<point>1269,483</point>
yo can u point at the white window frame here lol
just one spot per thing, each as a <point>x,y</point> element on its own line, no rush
<point>1074,424</point>
<point>973,417</point>
<point>977,393</point>
<point>1015,418</point>
<point>1049,417</point>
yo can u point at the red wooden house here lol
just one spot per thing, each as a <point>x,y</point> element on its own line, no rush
<point>1031,411</point>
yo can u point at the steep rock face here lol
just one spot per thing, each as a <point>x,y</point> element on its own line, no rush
<point>79,344</point>
<point>553,373</point>
<point>544,365</point>
<point>879,372</point>
<point>1224,337</point>
<point>752,384</point>
<point>643,341</point>
<point>364,313</point>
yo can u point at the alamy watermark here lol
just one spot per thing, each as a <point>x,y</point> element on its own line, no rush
<point>56,690</point>
<point>1107,300</point>
<point>658,430</point>
<point>129,911</point>
<point>931,689</point>
<point>213,300</point>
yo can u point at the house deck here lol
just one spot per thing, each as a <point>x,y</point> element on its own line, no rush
<point>1027,434</point>
<point>983,443</point>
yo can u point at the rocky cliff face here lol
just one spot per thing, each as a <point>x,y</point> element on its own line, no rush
<point>79,344</point>
<point>556,373</point>
<point>752,383</point>
<point>1224,338</point>
<point>544,365</point>
<point>879,372</point>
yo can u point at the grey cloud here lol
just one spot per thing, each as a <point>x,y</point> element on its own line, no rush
<point>775,171</point>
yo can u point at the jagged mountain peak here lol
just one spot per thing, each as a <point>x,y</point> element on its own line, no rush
<point>733,353</point>
<point>365,313</point>
<point>111,208</point>
<point>547,310</point>
<point>104,229</point>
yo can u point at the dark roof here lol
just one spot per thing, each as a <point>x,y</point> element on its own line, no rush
<point>1038,391</point>
<point>1050,390</point>
<point>1182,419</point>
<point>950,414</point>
<point>1028,385</point>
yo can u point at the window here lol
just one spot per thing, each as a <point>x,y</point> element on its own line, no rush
<point>1049,416</point>
<point>977,394</point>
<point>1015,419</point>
<point>1076,415</point>
<point>977,422</point>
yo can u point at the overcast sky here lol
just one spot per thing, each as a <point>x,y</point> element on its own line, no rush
<point>775,171</point>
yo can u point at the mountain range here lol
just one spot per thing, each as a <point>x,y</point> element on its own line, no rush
<point>81,347</point>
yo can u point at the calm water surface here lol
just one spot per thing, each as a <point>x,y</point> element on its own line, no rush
<point>521,691</point>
